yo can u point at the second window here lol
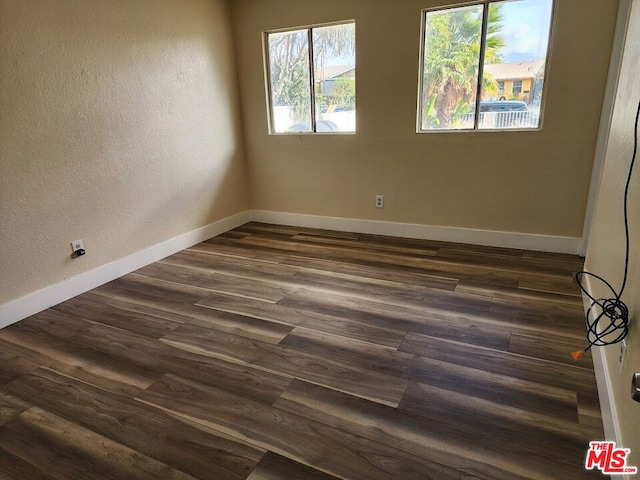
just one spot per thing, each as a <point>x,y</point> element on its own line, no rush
<point>483,65</point>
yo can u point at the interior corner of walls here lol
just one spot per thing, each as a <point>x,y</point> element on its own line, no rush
<point>583,246</point>
<point>523,241</point>
<point>35,302</point>
<point>606,119</point>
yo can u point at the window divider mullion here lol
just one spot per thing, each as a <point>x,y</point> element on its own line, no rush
<point>423,46</point>
<point>483,45</point>
<point>272,124</point>
<point>312,81</point>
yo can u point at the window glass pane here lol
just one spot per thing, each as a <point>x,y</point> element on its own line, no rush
<point>334,59</point>
<point>516,49</point>
<point>290,81</point>
<point>451,65</point>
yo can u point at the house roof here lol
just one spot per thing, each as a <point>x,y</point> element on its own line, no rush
<point>331,71</point>
<point>514,71</point>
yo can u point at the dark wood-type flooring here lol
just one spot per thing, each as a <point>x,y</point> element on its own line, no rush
<point>275,352</point>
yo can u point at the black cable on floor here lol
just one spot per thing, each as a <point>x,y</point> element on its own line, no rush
<point>611,314</point>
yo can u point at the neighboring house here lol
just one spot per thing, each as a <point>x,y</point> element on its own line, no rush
<point>328,75</point>
<point>335,114</point>
<point>517,81</point>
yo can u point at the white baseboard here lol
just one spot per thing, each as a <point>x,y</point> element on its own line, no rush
<point>608,409</point>
<point>36,302</point>
<point>48,297</point>
<point>524,241</point>
<point>607,406</point>
<point>600,365</point>
<point>610,421</point>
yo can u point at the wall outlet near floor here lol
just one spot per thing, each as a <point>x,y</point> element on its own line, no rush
<point>621,355</point>
<point>77,248</point>
<point>379,201</point>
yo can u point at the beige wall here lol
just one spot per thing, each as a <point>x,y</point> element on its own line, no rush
<point>531,182</point>
<point>605,255</point>
<point>119,125</point>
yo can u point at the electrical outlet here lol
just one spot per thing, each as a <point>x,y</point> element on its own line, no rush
<point>621,355</point>
<point>379,201</point>
<point>76,245</point>
<point>77,248</point>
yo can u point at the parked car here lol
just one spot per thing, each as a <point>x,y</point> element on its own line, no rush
<point>504,114</point>
<point>321,126</point>
<point>503,106</point>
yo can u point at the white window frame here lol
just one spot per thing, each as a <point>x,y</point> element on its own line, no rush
<point>520,86</point>
<point>267,70</point>
<point>475,129</point>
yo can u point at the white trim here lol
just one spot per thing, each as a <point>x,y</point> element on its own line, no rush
<point>607,405</point>
<point>615,64</point>
<point>608,409</point>
<point>610,421</point>
<point>601,368</point>
<point>41,300</point>
<point>524,241</point>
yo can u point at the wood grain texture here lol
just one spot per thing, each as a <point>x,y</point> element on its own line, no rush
<point>13,467</point>
<point>283,353</point>
<point>184,447</point>
<point>320,369</point>
<point>314,444</point>
<point>276,467</point>
<point>75,452</point>
<point>297,315</point>
<point>544,372</point>
<point>11,407</point>
<point>436,440</point>
<point>110,313</point>
<point>13,365</point>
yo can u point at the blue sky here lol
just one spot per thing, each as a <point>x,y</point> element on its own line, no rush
<point>526,29</point>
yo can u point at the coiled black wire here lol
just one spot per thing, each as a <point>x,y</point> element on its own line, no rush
<point>611,314</point>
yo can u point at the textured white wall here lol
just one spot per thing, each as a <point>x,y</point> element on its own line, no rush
<point>119,125</point>
<point>605,256</point>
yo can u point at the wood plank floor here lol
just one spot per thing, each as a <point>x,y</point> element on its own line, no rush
<point>274,352</point>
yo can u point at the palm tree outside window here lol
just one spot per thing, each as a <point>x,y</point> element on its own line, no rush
<point>462,45</point>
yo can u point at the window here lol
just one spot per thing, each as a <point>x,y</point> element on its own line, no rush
<point>517,86</point>
<point>470,53</point>
<point>311,76</point>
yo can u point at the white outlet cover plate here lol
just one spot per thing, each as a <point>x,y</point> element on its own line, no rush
<point>622,355</point>
<point>76,245</point>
